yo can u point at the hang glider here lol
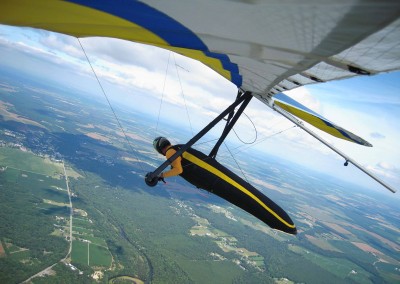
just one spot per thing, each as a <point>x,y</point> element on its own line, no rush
<point>263,47</point>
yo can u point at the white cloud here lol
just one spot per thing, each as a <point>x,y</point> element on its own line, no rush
<point>126,52</point>
<point>63,44</point>
<point>303,96</point>
<point>387,171</point>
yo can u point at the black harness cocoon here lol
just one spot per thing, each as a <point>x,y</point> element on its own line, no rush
<point>205,172</point>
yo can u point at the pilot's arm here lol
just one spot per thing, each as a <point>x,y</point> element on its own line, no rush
<point>176,165</point>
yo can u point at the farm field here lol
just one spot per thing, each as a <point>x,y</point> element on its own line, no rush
<point>87,248</point>
<point>26,161</point>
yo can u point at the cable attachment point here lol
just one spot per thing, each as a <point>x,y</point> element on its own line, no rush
<point>151,180</point>
<point>346,163</point>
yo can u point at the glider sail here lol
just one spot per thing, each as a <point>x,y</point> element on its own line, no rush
<point>264,47</point>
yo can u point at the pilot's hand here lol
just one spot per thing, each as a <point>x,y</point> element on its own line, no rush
<point>161,178</point>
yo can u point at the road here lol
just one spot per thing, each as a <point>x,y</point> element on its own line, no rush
<point>71,211</point>
<point>47,270</point>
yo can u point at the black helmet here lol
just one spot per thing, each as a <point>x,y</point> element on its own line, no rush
<point>160,143</point>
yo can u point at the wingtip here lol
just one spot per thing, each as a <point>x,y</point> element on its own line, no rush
<point>368,144</point>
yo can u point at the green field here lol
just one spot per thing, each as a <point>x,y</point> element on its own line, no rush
<point>22,255</point>
<point>98,256</point>
<point>81,231</point>
<point>388,271</point>
<point>96,240</point>
<point>79,252</point>
<point>53,209</point>
<point>211,271</point>
<point>15,158</point>
<point>81,222</point>
<point>9,175</point>
<point>32,186</point>
<point>13,248</point>
<point>340,267</point>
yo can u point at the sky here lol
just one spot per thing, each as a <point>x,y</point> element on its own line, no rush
<point>183,91</point>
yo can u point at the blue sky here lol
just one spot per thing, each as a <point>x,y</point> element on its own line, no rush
<point>140,76</point>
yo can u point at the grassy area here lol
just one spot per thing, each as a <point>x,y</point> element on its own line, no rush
<point>259,260</point>
<point>82,222</point>
<point>125,280</point>
<point>211,271</point>
<point>27,161</point>
<point>40,185</point>
<point>96,240</point>
<point>337,266</point>
<point>56,203</point>
<point>13,248</point>
<point>79,252</point>
<point>99,256</point>
<point>51,209</point>
<point>388,272</point>
<point>10,175</point>
<point>21,255</point>
<point>81,231</point>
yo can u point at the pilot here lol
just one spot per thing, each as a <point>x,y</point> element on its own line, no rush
<point>194,166</point>
<point>164,147</point>
<point>207,173</point>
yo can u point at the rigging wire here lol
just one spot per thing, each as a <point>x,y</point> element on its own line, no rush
<point>233,154</point>
<point>183,95</point>
<point>255,130</point>
<point>262,140</point>
<point>162,94</point>
<point>112,109</point>
<point>208,141</point>
<point>251,144</point>
<point>236,162</point>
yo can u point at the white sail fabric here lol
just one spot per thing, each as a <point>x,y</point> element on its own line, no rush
<point>276,43</point>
